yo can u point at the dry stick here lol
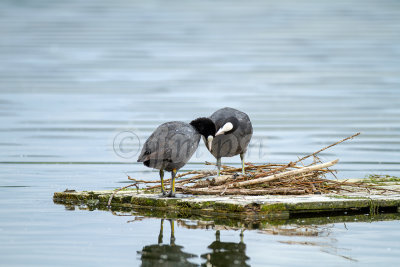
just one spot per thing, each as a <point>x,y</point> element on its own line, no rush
<point>251,167</point>
<point>188,181</point>
<point>201,183</point>
<point>263,174</point>
<point>365,186</point>
<point>166,180</point>
<point>185,173</point>
<point>222,166</point>
<point>243,191</point>
<point>317,159</point>
<point>223,192</point>
<point>201,175</point>
<point>266,173</point>
<point>142,181</point>
<point>204,174</point>
<point>290,164</point>
<point>219,180</point>
<point>117,190</point>
<point>277,176</point>
<point>341,141</point>
<point>229,179</point>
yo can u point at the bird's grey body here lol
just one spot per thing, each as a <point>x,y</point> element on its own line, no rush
<point>170,146</point>
<point>234,143</point>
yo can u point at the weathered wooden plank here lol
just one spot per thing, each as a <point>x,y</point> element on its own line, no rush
<point>240,207</point>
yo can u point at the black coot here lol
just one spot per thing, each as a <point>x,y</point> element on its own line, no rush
<point>234,132</point>
<point>172,144</point>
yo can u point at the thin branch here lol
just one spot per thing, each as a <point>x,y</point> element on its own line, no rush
<point>283,174</point>
<point>117,190</point>
<point>325,148</point>
<point>250,192</point>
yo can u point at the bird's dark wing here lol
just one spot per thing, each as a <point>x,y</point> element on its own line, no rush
<point>171,143</point>
<point>154,147</point>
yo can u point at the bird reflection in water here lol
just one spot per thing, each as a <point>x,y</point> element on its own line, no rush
<point>165,255</point>
<point>226,253</point>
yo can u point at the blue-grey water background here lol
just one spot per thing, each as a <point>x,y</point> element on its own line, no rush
<point>83,83</point>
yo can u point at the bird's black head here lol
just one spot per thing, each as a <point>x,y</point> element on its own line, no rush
<point>229,125</point>
<point>204,126</point>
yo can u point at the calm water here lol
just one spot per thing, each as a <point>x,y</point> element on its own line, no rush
<point>83,84</point>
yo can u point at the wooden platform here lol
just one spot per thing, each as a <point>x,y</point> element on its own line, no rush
<point>269,207</point>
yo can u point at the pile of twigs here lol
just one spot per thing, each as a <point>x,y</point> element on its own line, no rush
<point>285,179</point>
<point>258,180</point>
<point>264,180</point>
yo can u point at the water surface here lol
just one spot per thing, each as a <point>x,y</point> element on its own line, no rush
<point>77,77</point>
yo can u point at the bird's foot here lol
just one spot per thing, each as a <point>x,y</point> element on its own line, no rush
<point>163,193</point>
<point>170,194</point>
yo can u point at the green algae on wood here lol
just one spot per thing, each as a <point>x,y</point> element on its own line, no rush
<point>381,179</point>
<point>241,207</point>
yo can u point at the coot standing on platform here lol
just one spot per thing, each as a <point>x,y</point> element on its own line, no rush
<point>172,144</point>
<point>234,132</point>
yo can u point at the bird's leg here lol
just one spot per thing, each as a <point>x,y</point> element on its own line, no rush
<point>219,166</point>
<point>162,182</point>
<point>160,236</point>
<point>172,192</point>
<point>217,235</point>
<point>172,240</point>
<point>242,159</point>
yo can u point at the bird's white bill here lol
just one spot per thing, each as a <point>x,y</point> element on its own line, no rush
<point>226,128</point>
<point>209,142</point>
